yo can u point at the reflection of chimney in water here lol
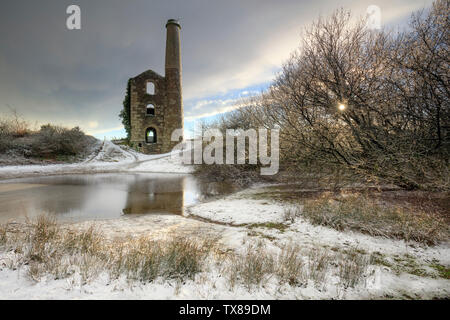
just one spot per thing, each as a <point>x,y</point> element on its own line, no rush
<point>155,196</point>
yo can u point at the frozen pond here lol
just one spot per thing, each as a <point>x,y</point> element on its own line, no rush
<point>102,196</point>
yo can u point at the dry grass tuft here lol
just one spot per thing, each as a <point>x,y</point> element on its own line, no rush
<point>49,249</point>
<point>145,260</point>
<point>359,212</point>
<point>3,235</point>
<point>46,248</point>
<point>254,268</point>
<point>352,267</point>
<point>291,213</point>
<point>291,268</point>
<point>319,263</point>
<point>295,266</point>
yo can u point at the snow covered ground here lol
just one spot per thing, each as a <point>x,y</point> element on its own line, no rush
<point>110,158</point>
<point>237,221</point>
<point>380,281</point>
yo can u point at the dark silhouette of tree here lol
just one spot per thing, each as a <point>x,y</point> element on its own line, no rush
<point>125,113</point>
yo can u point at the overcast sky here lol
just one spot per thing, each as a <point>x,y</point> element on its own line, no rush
<point>230,49</point>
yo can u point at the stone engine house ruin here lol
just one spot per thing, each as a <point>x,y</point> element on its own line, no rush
<point>156,107</point>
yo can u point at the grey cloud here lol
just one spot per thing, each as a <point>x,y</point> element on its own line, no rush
<point>51,74</point>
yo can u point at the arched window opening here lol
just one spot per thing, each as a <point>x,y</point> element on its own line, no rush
<point>150,87</point>
<point>150,135</point>
<point>150,110</point>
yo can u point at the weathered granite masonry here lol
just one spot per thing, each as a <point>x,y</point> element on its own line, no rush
<point>167,100</point>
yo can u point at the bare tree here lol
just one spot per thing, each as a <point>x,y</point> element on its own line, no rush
<point>367,103</point>
<point>374,104</point>
<point>420,61</point>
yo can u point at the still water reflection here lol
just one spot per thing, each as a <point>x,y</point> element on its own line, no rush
<point>102,196</point>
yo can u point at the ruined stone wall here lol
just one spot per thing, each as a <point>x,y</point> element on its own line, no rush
<point>140,121</point>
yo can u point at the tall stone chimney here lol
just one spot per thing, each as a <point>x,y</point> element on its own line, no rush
<point>173,48</point>
<point>174,113</point>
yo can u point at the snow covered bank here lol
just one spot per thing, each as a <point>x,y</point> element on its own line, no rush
<point>212,285</point>
<point>242,222</point>
<point>238,211</point>
<point>401,267</point>
<point>378,281</point>
<point>241,209</point>
<point>110,158</point>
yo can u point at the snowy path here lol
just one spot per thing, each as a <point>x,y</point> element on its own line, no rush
<point>110,158</point>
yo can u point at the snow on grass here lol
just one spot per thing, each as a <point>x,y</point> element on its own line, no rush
<point>110,158</point>
<point>267,216</point>
<point>238,211</point>
<point>161,163</point>
<point>400,268</point>
<point>112,153</point>
<point>397,269</point>
<point>233,282</point>
<point>323,255</point>
<point>15,285</point>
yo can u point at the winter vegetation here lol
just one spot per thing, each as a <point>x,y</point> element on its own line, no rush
<point>358,210</point>
<point>266,241</point>
<point>353,104</point>
<point>288,259</point>
<point>20,144</point>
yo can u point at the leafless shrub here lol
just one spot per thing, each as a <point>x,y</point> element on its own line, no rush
<point>241,175</point>
<point>54,140</point>
<point>238,175</point>
<point>12,127</point>
<point>394,123</point>
<point>20,141</point>
<point>376,135</point>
